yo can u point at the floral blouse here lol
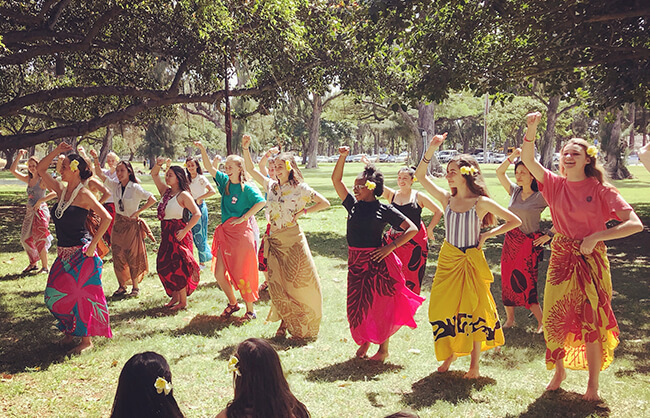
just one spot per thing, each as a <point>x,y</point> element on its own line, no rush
<point>284,201</point>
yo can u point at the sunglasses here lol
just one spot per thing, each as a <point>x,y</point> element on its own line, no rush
<point>358,186</point>
<point>120,205</point>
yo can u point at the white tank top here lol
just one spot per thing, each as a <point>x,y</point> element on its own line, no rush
<point>173,210</point>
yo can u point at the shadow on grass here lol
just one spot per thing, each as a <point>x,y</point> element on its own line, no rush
<point>566,404</point>
<point>354,370</point>
<point>209,325</point>
<point>451,387</point>
<point>145,312</point>
<point>328,244</point>
<point>11,219</point>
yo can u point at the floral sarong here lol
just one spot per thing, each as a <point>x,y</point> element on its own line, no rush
<point>239,254</point>
<point>413,256</point>
<point>35,233</point>
<point>294,285</point>
<point>519,261</point>
<point>462,309</point>
<point>75,296</point>
<point>175,262</point>
<point>129,250</point>
<point>262,262</point>
<point>200,233</point>
<point>578,305</point>
<point>379,303</point>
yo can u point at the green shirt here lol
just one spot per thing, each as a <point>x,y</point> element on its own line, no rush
<point>237,202</point>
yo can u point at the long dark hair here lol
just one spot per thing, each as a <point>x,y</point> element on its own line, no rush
<point>371,173</point>
<point>83,167</point>
<point>533,185</point>
<point>475,183</point>
<point>136,394</point>
<point>129,168</point>
<point>295,175</point>
<point>261,389</point>
<point>199,170</point>
<point>183,183</point>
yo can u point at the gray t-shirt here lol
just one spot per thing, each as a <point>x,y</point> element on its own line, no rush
<point>529,210</point>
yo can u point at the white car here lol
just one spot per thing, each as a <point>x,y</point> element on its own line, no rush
<point>446,155</point>
<point>322,159</point>
<point>402,157</point>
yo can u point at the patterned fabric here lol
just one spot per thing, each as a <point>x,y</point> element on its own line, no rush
<point>35,233</point>
<point>578,305</point>
<point>520,259</point>
<point>200,234</point>
<point>92,225</point>
<point>294,285</point>
<point>110,207</point>
<point>413,256</point>
<point>379,303</point>
<point>466,227</point>
<point>175,262</point>
<point>262,262</point>
<point>284,201</point>
<point>462,309</point>
<point>238,252</point>
<point>74,294</point>
<point>129,250</point>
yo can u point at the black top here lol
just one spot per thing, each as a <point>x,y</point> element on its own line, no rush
<point>71,228</point>
<point>367,220</point>
<point>411,210</point>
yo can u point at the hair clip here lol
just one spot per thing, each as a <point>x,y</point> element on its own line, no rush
<point>468,170</point>
<point>74,165</point>
<point>287,164</point>
<point>233,365</point>
<point>162,385</point>
<point>370,185</point>
<point>592,151</point>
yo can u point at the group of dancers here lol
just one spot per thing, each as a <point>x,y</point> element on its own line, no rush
<point>385,268</point>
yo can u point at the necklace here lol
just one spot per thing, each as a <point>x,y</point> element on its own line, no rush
<point>65,204</point>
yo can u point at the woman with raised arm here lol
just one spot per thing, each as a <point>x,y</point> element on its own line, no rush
<point>580,329</point>
<point>234,249</point>
<point>129,231</point>
<point>267,159</point>
<point>111,172</point>
<point>462,309</point>
<point>177,268</point>
<point>201,189</point>
<point>294,285</point>
<point>35,234</point>
<point>522,247</point>
<point>379,303</point>
<point>74,293</point>
<point>410,202</point>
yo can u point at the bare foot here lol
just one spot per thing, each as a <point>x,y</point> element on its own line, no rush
<point>66,340</point>
<point>282,331</point>
<point>447,363</point>
<point>509,323</point>
<point>591,394</point>
<point>556,381</point>
<point>171,303</point>
<point>178,307</point>
<point>363,349</point>
<point>83,346</point>
<point>472,373</point>
<point>540,329</point>
<point>380,356</point>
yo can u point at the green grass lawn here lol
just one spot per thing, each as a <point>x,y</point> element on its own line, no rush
<point>38,379</point>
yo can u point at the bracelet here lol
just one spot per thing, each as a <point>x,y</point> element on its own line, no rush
<point>509,160</point>
<point>395,244</point>
<point>527,140</point>
<point>426,160</point>
<point>304,211</point>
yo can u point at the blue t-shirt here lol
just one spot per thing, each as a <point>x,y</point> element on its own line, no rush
<point>237,202</point>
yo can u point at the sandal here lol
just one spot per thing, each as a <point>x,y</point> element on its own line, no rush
<point>44,270</point>
<point>249,315</point>
<point>264,286</point>
<point>134,292</point>
<point>29,268</point>
<point>121,291</point>
<point>230,309</point>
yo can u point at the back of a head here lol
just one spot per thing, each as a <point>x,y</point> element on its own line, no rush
<point>137,395</point>
<point>261,389</point>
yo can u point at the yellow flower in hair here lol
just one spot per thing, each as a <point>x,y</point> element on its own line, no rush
<point>233,365</point>
<point>468,170</point>
<point>592,151</point>
<point>74,165</point>
<point>370,185</point>
<point>415,178</point>
<point>185,164</point>
<point>162,385</point>
<point>288,165</point>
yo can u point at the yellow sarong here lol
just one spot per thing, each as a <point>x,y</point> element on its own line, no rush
<point>462,309</point>
<point>294,285</point>
<point>578,305</point>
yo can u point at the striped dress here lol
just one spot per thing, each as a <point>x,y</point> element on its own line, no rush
<point>466,227</point>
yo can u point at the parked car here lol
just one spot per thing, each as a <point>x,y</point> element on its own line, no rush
<point>333,158</point>
<point>446,155</point>
<point>402,157</point>
<point>322,159</point>
<point>497,158</point>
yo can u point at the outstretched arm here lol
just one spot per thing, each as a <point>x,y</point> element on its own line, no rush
<point>206,160</point>
<point>98,187</point>
<point>265,158</point>
<point>248,163</point>
<point>50,182</point>
<point>337,174</point>
<point>503,168</point>
<point>14,165</point>
<point>155,175</point>
<point>97,167</point>
<point>528,148</point>
<point>436,191</point>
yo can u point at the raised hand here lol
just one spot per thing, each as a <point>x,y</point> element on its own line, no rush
<point>64,147</point>
<point>516,153</point>
<point>93,153</point>
<point>245,141</point>
<point>437,140</point>
<point>533,118</point>
<point>344,150</point>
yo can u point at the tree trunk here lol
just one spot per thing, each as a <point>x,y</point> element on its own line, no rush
<point>426,121</point>
<point>632,121</point>
<point>9,156</point>
<point>548,140</point>
<point>613,150</point>
<point>107,144</point>
<point>314,131</point>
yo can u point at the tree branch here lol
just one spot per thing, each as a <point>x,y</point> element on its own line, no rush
<point>618,16</point>
<point>62,5</point>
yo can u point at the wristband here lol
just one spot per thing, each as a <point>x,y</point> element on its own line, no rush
<point>426,160</point>
<point>527,140</point>
<point>509,160</point>
<point>304,211</point>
